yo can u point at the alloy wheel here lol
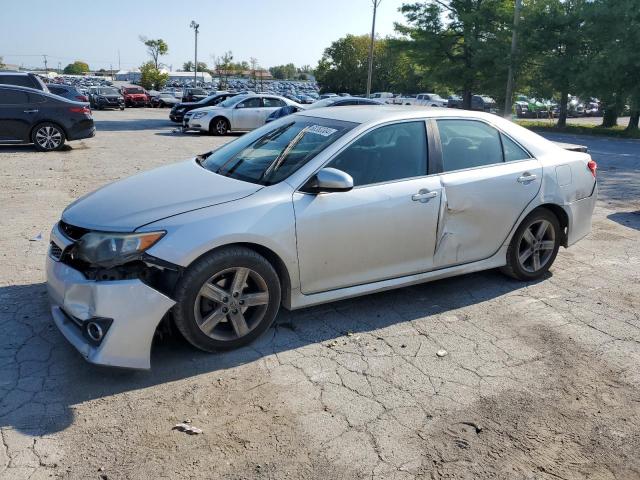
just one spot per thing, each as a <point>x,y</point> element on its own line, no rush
<point>536,246</point>
<point>49,138</point>
<point>221,127</point>
<point>231,303</point>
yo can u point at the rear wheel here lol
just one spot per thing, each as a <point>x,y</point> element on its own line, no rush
<point>48,137</point>
<point>534,246</point>
<point>219,126</point>
<point>227,299</point>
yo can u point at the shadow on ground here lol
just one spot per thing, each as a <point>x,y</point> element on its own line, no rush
<point>42,377</point>
<point>627,219</point>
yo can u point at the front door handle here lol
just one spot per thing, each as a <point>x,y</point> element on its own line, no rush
<point>527,177</point>
<point>423,196</point>
<point>30,111</point>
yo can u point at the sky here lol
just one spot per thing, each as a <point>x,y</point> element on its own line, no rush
<point>273,31</point>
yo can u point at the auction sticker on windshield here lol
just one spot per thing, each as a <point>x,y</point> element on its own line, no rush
<point>320,130</point>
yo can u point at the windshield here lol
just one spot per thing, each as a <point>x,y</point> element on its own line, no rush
<point>273,152</point>
<point>166,95</point>
<point>133,90</point>
<point>108,91</point>
<point>197,91</point>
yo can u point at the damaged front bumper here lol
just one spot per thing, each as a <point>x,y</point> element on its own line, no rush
<point>109,322</point>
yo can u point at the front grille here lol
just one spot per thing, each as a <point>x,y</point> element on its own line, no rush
<point>71,231</point>
<point>55,251</point>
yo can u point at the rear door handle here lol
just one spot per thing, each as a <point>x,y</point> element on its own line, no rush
<point>526,178</point>
<point>423,196</point>
<point>30,111</point>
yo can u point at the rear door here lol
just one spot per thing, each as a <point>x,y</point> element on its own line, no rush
<point>16,115</point>
<point>487,181</point>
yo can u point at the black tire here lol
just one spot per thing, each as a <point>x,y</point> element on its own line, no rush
<point>121,108</point>
<point>48,137</point>
<point>200,272</point>
<point>219,126</point>
<point>518,269</point>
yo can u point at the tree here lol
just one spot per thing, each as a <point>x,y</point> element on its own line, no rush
<point>155,49</point>
<point>188,67</point>
<point>553,37</point>
<point>283,72</point>
<point>2,65</point>
<point>224,67</point>
<point>343,67</point>
<point>461,43</point>
<point>613,71</point>
<point>151,78</point>
<point>76,68</point>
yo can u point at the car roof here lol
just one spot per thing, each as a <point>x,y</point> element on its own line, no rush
<point>376,114</point>
<point>13,72</point>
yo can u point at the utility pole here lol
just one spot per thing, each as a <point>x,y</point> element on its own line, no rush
<point>373,37</point>
<point>119,60</point>
<point>195,27</point>
<point>514,38</point>
<point>45,62</point>
<point>59,67</point>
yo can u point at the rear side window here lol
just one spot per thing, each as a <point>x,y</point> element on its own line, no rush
<point>512,151</point>
<point>468,144</point>
<point>273,102</point>
<point>12,97</point>
<point>388,153</point>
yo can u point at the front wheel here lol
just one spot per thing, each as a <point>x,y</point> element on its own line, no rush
<point>219,126</point>
<point>534,246</point>
<point>226,299</point>
<point>48,137</point>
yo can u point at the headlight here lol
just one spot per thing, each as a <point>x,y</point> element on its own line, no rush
<point>111,249</point>
<point>180,109</point>
<point>199,115</point>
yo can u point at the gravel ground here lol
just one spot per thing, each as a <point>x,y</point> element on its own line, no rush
<point>541,380</point>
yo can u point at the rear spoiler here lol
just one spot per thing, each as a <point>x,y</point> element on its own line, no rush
<point>571,147</point>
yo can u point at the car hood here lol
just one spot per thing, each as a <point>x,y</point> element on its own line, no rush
<point>135,201</point>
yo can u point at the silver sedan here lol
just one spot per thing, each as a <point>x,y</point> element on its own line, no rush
<point>314,207</point>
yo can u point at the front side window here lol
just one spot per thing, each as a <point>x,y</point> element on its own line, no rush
<point>468,144</point>
<point>388,153</point>
<point>273,152</point>
<point>13,97</point>
<point>255,102</point>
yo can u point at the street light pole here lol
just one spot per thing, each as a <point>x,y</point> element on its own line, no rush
<point>514,36</point>
<point>373,35</point>
<point>195,26</point>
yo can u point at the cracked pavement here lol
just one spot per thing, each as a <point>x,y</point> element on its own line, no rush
<point>540,380</point>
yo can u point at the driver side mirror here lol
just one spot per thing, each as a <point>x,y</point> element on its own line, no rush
<point>328,180</point>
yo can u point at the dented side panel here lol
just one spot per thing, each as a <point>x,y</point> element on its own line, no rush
<point>479,208</point>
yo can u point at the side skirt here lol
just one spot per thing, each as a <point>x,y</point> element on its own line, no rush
<point>299,300</point>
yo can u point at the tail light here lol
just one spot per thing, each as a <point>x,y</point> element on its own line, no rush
<point>593,166</point>
<point>82,98</point>
<point>86,110</point>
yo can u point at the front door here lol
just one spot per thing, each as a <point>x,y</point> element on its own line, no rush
<point>15,115</point>
<point>385,227</point>
<point>487,182</point>
<point>247,114</point>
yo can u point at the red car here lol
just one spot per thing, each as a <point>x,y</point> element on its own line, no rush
<point>135,96</point>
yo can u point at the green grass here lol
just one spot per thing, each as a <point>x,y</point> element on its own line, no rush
<point>548,126</point>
